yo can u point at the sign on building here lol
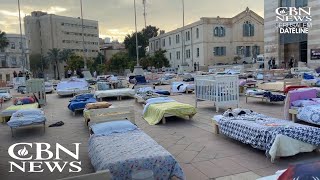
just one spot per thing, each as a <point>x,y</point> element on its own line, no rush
<point>315,54</point>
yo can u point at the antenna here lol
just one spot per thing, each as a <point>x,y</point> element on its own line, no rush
<point>144,12</point>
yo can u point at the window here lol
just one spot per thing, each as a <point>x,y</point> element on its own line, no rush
<point>248,29</point>
<point>169,41</point>
<point>20,45</point>
<point>239,50</point>
<point>13,61</point>
<point>7,77</point>
<point>188,53</point>
<point>170,56</point>
<point>219,31</point>
<point>157,45</point>
<point>255,50</point>
<point>177,38</point>
<point>247,51</point>
<point>198,52</point>
<point>301,3</point>
<point>219,51</point>
<point>285,3</point>
<point>178,54</point>
<point>163,42</point>
<point>188,36</point>
<point>151,46</point>
<point>13,45</point>
<point>197,33</point>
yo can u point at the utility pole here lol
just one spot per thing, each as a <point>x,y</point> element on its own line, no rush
<point>84,48</point>
<point>144,13</point>
<point>21,43</point>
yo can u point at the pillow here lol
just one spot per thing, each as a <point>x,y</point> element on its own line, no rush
<point>24,100</point>
<point>98,105</point>
<point>108,128</point>
<point>302,103</point>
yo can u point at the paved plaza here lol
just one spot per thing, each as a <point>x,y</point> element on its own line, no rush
<point>202,154</point>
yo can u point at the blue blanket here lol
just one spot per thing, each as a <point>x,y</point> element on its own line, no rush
<point>26,117</point>
<point>80,101</point>
<point>260,131</point>
<point>310,114</point>
<point>124,153</point>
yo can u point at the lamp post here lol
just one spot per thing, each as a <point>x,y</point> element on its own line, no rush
<point>84,48</point>
<point>22,49</point>
<point>183,65</point>
<point>137,69</point>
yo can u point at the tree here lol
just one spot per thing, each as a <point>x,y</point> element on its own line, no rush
<point>150,32</point>
<point>130,44</point>
<point>53,58</point>
<point>119,62</point>
<point>236,59</point>
<point>158,60</point>
<point>99,64</point>
<point>3,40</point>
<point>75,62</point>
<point>65,55</point>
<point>38,63</point>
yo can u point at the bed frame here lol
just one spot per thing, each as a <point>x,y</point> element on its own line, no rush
<point>41,123</point>
<point>262,98</point>
<point>111,114</point>
<point>105,175</point>
<point>224,89</point>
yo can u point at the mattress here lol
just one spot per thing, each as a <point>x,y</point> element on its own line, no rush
<point>272,86</point>
<point>26,117</point>
<point>154,113</point>
<point>14,108</point>
<point>181,87</point>
<point>125,153</point>
<point>264,133</point>
<point>115,92</point>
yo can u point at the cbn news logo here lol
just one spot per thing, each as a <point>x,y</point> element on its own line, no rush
<point>43,158</point>
<point>293,20</point>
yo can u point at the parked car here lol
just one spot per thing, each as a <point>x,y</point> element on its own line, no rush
<point>5,94</point>
<point>48,87</point>
<point>22,89</point>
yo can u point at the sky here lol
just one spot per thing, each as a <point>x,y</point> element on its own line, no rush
<point>116,17</point>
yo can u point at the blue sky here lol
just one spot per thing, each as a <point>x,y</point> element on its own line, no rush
<point>116,17</point>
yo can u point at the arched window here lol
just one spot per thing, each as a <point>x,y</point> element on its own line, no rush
<point>219,31</point>
<point>248,29</point>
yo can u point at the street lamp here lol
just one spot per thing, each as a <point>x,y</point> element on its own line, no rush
<point>22,49</point>
<point>84,48</point>
<point>137,69</point>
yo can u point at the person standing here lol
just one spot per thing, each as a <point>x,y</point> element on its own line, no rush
<point>69,73</point>
<point>269,63</point>
<point>95,74</point>
<point>291,62</point>
<point>274,63</point>
<point>15,74</point>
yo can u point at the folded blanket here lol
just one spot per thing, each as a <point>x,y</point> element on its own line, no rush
<point>98,105</point>
<point>274,97</point>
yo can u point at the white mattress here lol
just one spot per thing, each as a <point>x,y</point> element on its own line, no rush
<point>115,92</point>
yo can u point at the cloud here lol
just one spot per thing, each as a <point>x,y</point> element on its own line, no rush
<point>55,10</point>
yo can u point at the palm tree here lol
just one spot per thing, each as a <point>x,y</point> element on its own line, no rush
<point>3,40</point>
<point>65,55</point>
<point>53,57</point>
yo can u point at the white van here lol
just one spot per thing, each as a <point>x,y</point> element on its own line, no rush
<point>260,60</point>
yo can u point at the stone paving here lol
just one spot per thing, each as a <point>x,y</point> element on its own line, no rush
<point>202,154</point>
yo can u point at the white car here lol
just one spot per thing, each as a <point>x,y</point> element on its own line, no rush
<point>48,87</point>
<point>5,94</point>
